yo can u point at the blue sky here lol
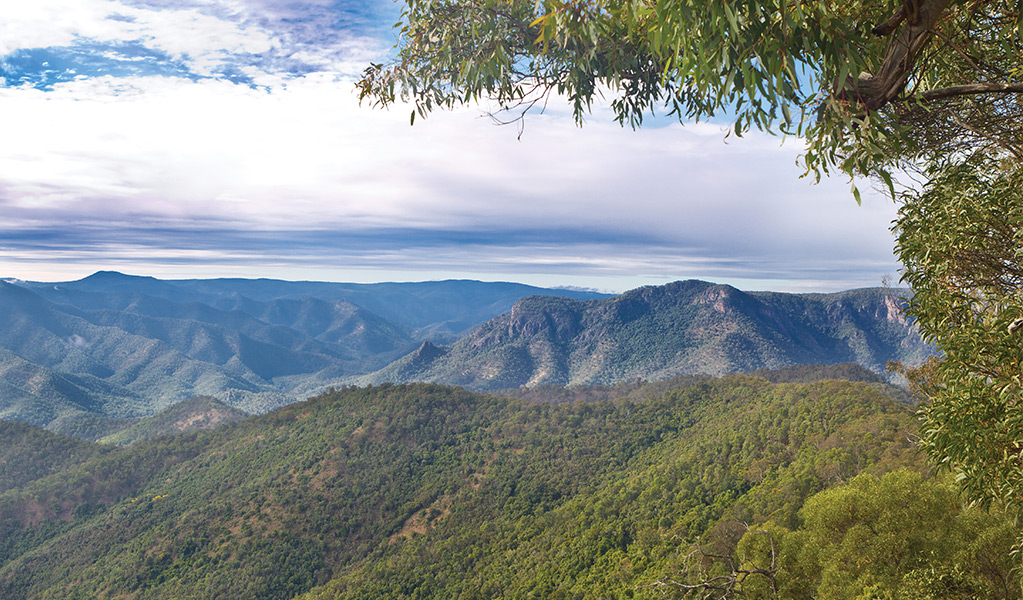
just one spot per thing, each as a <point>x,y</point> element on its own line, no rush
<point>210,138</point>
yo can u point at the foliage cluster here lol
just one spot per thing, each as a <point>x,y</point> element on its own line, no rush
<point>961,240</point>
<point>897,536</point>
<point>867,84</point>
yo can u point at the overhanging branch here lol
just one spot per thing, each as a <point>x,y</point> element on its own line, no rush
<point>970,89</point>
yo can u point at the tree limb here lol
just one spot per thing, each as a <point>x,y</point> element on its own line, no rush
<point>891,24</point>
<point>971,89</point>
<point>875,91</point>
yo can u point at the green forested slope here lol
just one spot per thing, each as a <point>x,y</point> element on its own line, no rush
<point>706,458</point>
<point>198,412</point>
<point>28,453</point>
<point>423,491</point>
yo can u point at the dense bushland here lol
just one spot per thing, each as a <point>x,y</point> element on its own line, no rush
<point>424,491</point>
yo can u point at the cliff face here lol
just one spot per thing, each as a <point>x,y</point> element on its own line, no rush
<point>656,332</point>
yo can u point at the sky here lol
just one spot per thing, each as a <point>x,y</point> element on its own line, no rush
<point>224,138</point>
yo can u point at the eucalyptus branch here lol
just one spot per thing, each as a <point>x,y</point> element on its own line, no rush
<point>891,24</point>
<point>970,89</point>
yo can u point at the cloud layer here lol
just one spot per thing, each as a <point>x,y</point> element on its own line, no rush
<point>224,138</point>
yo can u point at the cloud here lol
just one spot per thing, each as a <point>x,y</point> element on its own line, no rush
<point>170,135</point>
<point>255,42</point>
<point>152,153</point>
<point>539,257</point>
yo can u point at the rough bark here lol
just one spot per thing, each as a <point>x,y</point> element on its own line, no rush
<point>917,19</point>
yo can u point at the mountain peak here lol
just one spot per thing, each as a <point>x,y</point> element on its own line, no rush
<point>425,354</point>
<point>686,287</point>
<point>102,276</point>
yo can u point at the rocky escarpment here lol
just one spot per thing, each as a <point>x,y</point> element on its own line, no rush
<point>659,331</point>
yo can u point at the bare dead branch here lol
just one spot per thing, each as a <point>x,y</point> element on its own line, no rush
<point>722,587</point>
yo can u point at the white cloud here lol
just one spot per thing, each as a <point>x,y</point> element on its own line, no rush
<point>46,23</point>
<point>306,156</point>
<point>207,42</point>
<point>207,36</point>
<point>300,154</point>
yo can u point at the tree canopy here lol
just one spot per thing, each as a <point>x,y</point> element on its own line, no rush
<point>870,85</point>
<point>961,241</point>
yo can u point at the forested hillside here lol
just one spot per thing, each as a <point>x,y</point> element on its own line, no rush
<point>657,332</point>
<point>197,413</point>
<point>424,491</point>
<point>28,453</point>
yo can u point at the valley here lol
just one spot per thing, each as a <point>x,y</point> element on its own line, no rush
<point>91,357</point>
<point>83,357</point>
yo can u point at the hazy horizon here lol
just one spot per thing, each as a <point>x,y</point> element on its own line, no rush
<point>885,283</point>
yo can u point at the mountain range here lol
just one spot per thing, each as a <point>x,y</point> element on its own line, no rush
<point>82,356</point>
<point>653,333</point>
<point>91,357</point>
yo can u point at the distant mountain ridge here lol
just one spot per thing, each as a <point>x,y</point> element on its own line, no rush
<point>436,310</point>
<point>90,357</point>
<point>657,332</point>
<point>82,356</point>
